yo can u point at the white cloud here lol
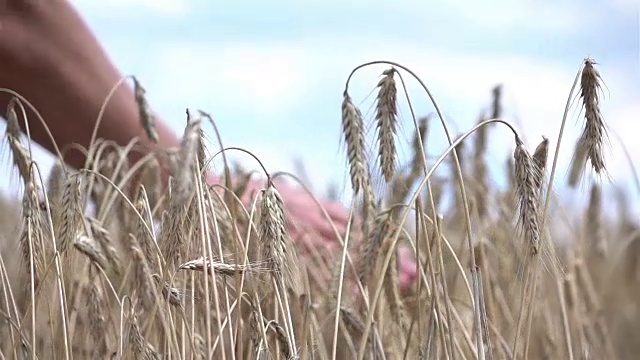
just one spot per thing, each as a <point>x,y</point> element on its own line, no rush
<point>175,7</point>
<point>506,15</point>
<point>626,5</point>
<point>269,78</point>
<point>626,127</point>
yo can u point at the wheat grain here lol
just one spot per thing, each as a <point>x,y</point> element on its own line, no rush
<point>140,346</point>
<point>578,162</point>
<point>142,276</point>
<point>147,118</point>
<point>32,234</point>
<point>91,249</point>
<point>143,237</point>
<point>353,130</point>
<point>391,289</point>
<point>279,256</point>
<point>172,295</point>
<point>21,155</point>
<point>97,320</point>
<point>594,134</point>
<point>222,268</point>
<point>283,340</point>
<point>371,246</point>
<point>189,152</point>
<point>102,236</point>
<point>526,174</point>
<point>540,162</point>
<point>386,120</point>
<point>71,214</point>
<point>55,187</point>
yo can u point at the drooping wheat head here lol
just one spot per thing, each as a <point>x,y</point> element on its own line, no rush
<point>526,177</point>
<point>278,253</point>
<point>386,123</point>
<point>594,133</point>
<point>353,130</point>
<point>540,163</point>
<point>147,118</point>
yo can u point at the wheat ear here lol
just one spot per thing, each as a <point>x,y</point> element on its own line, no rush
<point>526,175</point>
<point>353,130</point>
<point>594,133</point>
<point>540,162</point>
<point>278,253</point>
<point>386,123</point>
<point>146,116</point>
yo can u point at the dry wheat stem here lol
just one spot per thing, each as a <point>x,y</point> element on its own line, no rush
<point>422,152</point>
<point>21,100</point>
<point>338,305</point>
<point>103,109</point>
<point>462,188</point>
<point>184,319</point>
<point>222,268</point>
<point>278,253</point>
<point>395,236</point>
<point>545,210</point>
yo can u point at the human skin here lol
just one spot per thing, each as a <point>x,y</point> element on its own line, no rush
<point>49,55</point>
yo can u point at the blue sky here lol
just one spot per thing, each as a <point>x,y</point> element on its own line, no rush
<point>272,73</point>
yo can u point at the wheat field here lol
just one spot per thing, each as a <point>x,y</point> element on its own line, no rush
<point>106,263</point>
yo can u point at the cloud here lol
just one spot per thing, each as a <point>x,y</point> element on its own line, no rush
<point>277,91</point>
<point>623,133</point>
<point>163,7</point>
<point>265,77</point>
<point>545,16</point>
<point>256,90</point>
<point>626,5</point>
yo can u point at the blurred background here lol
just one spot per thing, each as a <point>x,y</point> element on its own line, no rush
<point>272,73</point>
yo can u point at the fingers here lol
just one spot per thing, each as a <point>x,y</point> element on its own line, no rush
<point>407,271</point>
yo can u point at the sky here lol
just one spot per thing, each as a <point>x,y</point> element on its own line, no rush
<point>272,73</point>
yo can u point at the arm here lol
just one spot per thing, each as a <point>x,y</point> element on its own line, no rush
<point>50,57</point>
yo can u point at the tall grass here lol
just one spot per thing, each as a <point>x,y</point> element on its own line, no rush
<point>191,271</point>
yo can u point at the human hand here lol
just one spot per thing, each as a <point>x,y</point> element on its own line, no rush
<point>307,222</point>
<point>309,226</point>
